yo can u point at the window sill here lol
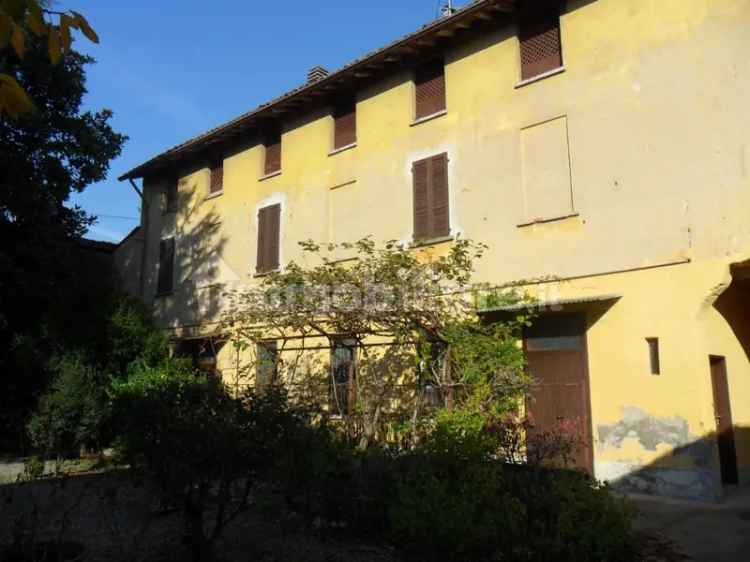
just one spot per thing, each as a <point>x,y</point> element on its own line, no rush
<point>550,219</point>
<point>431,241</point>
<point>342,149</point>
<point>430,117</point>
<point>257,274</point>
<point>214,195</point>
<point>542,76</point>
<point>269,176</point>
<point>164,294</point>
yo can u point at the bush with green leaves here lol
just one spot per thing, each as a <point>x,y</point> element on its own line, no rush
<point>74,413</point>
<point>205,448</point>
<point>456,499</point>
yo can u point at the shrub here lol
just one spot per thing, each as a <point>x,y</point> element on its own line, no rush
<point>74,412</point>
<point>131,336</point>
<point>457,497</point>
<point>202,446</point>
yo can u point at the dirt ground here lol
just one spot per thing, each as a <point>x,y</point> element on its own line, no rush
<point>705,532</point>
<point>118,518</point>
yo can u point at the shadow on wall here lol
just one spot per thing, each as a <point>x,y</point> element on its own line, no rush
<point>734,305</point>
<point>199,271</point>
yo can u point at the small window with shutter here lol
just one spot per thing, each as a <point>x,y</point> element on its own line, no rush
<point>429,89</point>
<point>345,124</point>
<point>272,162</point>
<point>216,182</point>
<point>165,283</point>
<point>269,222</point>
<point>170,198</point>
<point>539,37</point>
<point>431,198</point>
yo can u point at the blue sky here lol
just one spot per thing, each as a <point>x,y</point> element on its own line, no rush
<point>170,69</point>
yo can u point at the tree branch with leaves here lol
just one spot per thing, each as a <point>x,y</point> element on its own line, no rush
<point>18,20</point>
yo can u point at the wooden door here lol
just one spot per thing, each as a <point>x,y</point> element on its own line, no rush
<point>724,425</point>
<point>556,356</point>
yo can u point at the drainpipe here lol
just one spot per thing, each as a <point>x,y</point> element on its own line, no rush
<point>144,237</point>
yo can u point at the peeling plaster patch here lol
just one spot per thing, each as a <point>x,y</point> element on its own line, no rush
<point>649,430</point>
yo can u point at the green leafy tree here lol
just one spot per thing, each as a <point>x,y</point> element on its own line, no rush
<point>48,294</point>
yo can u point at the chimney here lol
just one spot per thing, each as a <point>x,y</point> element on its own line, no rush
<point>448,10</point>
<point>316,74</point>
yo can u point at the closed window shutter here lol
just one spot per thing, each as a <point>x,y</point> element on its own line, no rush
<point>440,210</point>
<point>345,125</point>
<point>539,36</point>
<point>217,177</point>
<point>260,264</point>
<point>273,154</point>
<point>170,205</point>
<point>421,200</point>
<point>429,82</point>
<point>269,222</point>
<point>431,198</point>
<point>166,266</point>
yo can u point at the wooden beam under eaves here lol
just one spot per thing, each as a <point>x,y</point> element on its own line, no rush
<point>505,6</point>
<point>446,33</point>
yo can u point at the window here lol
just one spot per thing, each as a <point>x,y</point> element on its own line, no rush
<point>429,86</point>
<point>343,373</point>
<point>269,219</point>
<point>653,353</point>
<point>216,184</point>
<point>272,162</point>
<point>345,124</point>
<point>170,198</point>
<point>431,213</point>
<point>546,173</point>
<point>430,370</point>
<point>266,369</point>
<point>166,267</point>
<point>539,36</point>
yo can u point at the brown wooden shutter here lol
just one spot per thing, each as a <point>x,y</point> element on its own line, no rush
<point>431,198</point>
<point>539,36</point>
<point>269,223</point>
<point>429,82</point>
<point>345,125</point>
<point>273,153</point>
<point>421,200</point>
<point>166,267</point>
<point>170,204</point>
<point>439,200</point>
<point>217,177</point>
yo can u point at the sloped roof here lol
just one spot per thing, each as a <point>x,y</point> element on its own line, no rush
<point>427,38</point>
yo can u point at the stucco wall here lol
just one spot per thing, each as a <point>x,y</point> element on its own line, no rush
<point>654,104</point>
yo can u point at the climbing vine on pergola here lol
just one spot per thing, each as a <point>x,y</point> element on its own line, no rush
<point>412,316</point>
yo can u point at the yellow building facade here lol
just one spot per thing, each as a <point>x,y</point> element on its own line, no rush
<point>618,180</point>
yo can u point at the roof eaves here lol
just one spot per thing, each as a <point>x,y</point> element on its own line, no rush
<point>475,7</point>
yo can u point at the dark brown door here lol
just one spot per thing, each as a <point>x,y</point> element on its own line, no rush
<point>724,426</point>
<point>557,360</point>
